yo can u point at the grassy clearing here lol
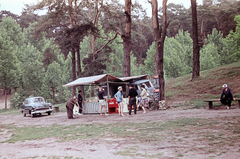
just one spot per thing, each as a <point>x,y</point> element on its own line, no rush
<point>214,135</point>
<point>85,131</point>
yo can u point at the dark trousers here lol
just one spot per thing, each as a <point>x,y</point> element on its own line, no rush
<point>80,105</point>
<point>226,101</point>
<point>132,102</point>
<point>69,113</point>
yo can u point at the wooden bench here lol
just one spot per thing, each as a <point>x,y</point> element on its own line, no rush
<point>56,109</point>
<point>209,103</point>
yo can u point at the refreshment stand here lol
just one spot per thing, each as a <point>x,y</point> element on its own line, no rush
<point>110,84</point>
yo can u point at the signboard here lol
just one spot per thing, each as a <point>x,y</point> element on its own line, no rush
<point>156,95</point>
<point>156,82</point>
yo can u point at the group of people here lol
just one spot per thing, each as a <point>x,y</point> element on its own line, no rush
<point>74,101</point>
<point>119,97</point>
<point>132,96</point>
<point>226,98</point>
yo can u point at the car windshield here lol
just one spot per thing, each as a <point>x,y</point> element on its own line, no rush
<point>34,100</point>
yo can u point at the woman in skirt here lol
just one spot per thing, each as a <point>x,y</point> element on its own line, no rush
<point>143,99</point>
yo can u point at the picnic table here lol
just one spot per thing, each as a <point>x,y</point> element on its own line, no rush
<point>209,103</point>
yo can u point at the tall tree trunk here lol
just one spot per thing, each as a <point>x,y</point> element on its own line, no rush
<point>5,92</point>
<point>203,31</point>
<point>73,71</point>
<point>159,37</point>
<point>196,62</point>
<point>90,36</point>
<point>73,23</point>
<point>127,39</point>
<point>79,68</point>
<point>53,95</point>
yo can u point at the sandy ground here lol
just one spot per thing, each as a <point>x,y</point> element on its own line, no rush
<point>102,148</point>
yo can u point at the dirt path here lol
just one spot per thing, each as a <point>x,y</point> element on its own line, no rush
<point>111,147</point>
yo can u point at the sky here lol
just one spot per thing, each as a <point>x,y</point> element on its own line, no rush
<point>15,6</point>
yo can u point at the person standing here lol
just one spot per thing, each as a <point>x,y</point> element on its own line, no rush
<point>226,96</point>
<point>119,97</point>
<point>132,99</point>
<point>80,99</point>
<point>101,100</point>
<point>143,99</point>
<point>70,106</point>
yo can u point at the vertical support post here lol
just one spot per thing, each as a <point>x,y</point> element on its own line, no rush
<point>107,88</point>
<point>127,90</point>
<point>208,104</point>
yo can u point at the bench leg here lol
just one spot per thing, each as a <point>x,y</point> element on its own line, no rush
<point>208,105</point>
<point>238,104</point>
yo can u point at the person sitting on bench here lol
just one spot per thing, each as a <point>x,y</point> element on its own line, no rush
<point>226,96</point>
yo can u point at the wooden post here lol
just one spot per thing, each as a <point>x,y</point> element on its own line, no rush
<point>107,88</point>
<point>208,105</point>
<point>56,109</point>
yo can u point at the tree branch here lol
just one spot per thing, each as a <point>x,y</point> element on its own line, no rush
<point>109,40</point>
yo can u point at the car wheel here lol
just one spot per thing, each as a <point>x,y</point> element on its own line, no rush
<point>24,114</point>
<point>49,113</point>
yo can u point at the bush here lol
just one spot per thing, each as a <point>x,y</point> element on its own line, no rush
<point>18,98</point>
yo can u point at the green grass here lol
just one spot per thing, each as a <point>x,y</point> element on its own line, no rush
<point>62,107</point>
<point>206,86</point>
<point>85,131</point>
<point>9,111</point>
<point>218,134</point>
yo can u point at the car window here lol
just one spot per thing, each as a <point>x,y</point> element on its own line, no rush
<point>38,100</point>
<point>148,84</point>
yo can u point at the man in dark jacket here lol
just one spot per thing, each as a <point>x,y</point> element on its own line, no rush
<point>132,99</point>
<point>70,106</point>
<point>100,91</point>
<point>80,101</point>
<point>226,96</point>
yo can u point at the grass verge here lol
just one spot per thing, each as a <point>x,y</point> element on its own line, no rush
<point>213,136</point>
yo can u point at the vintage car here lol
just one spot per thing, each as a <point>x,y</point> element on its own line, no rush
<point>35,106</point>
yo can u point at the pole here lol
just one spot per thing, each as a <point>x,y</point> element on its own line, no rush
<point>107,88</point>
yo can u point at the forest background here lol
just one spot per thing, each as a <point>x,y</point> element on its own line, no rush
<point>36,58</point>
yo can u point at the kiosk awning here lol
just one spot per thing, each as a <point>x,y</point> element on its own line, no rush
<point>92,79</point>
<point>134,77</point>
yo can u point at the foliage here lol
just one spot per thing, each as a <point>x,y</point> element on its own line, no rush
<point>52,76</point>
<point>233,40</point>
<point>115,60</point>
<point>209,57</point>
<point>177,56</point>
<point>18,98</point>
<point>8,59</point>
